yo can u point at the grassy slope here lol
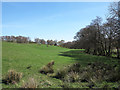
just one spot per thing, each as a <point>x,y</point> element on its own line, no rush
<point>19,56</point>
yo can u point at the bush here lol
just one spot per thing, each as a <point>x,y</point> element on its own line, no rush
<point>61,74</point>
<point>74,68</point>
<point>94,72</point>
<point>47,68</point>
<point>12,77</point>
<point>72,77</point>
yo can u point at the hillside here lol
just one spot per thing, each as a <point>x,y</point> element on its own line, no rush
<point>20,56</point>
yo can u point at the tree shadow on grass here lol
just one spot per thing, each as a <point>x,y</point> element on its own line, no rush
<point>82,57</point>
<point>75,54</point>
<point>72,53</point>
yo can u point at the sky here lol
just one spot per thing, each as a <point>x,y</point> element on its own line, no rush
<point>49,20</point>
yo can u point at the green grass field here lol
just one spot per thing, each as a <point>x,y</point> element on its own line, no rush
<point>20,56</point>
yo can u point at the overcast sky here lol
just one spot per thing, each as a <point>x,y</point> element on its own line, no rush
<point>49,20</point>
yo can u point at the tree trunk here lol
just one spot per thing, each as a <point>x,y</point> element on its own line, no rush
<point>109,48</point>
<point>118,52</point>
<point>94,53</point>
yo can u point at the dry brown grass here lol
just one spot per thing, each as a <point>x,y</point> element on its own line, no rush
<point>31,83</point>
<point>12,77</point>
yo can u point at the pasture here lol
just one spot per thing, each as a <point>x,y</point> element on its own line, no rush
<point>19,57</point>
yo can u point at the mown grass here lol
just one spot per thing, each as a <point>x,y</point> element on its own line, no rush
<point>21,56</point>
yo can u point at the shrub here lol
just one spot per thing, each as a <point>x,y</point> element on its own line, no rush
<point>31,83</point>
<point>72,77</point>
<point>94,72</point>
<point>74,67</point>
<point>47,68</point>
<point>62,74</point>
<point>50,64</point>
<point>12,77</point>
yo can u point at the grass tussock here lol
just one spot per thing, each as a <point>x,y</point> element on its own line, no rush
<point>12,77</point>
<point>47,68</point>
<point>67,70</point>
<point>31,83</point>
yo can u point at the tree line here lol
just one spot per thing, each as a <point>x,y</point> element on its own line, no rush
<point>22,39</point>
<point>49,42</point>
<point>101,38</point>
<point>17,39</point>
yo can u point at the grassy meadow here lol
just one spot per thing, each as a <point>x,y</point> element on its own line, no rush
<point>20,56</point>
